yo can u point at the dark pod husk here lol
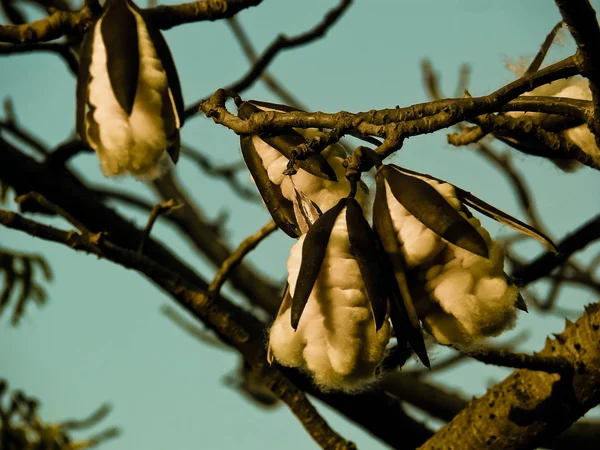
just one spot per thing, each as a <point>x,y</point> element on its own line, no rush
<point>364,247</point>
<point>280,208</point>
<point>120,35</point>
<point>492,212</point>
<point>286,303</point>
<point>313,253</point>
<point>402,310</point>
<point>430,207</point>
<point>286,143</point>
<point>119,32</point>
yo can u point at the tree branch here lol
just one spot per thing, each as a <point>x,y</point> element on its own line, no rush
<point>580,17</point>
<point>529,407</point>
<point>281,43</point>
<point>61,23</point>
<point>544,264</point>
<point>236,257</point>
<point>220,314</point>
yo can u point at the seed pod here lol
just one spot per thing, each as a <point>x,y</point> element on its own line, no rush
<point>281,209</point>
<point>129,103</point>
<point>287,143</point>
<point>571,130</point>
<point>333,321</point>
<point>320,179</point>
<point>402,312</point>
<point>459,292</point>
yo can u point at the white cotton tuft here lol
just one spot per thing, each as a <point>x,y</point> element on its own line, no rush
<point>336,341</point>
<point>465,296</point>
<point>577,88</point>
<point>324,193</point>
<point>134,144</point>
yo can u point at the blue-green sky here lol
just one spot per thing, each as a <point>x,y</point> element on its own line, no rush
<point>102,338</point>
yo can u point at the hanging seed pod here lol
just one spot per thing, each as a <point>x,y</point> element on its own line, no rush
<point>320,179</point>
<point>333,321</point>
<point>448,269</point>
<point>569,128</point>
<point>281,209</point>
<point>129,103</point>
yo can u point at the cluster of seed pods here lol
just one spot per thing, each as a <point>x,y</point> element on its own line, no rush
<point>425,264</point>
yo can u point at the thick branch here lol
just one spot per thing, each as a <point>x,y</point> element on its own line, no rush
<point>61,23</point>
<point>529,407</point>
<point>221,315</point>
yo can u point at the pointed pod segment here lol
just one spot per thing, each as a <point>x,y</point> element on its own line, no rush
<point>492,212</point>
<point>402,310</point>
<point>287,143</point>
<point>365,248</point>
<point>280,208</point>
<point>313,254</point>
<point>428,206</point>
<point>505,219</point>
<point>306,211</point>
<point>520,303</point>
<point>120,35</point>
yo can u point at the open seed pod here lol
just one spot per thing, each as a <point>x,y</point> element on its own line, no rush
<point>448,268</point>
<point>333,321</point>
<point>569,128</point>
<point>320,179</point>
<point>129,103</point>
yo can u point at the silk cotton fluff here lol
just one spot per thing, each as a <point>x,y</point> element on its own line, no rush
<point>457,283</point>
<point>319,179</point>
<point>334,336</point>
<point>577,88</point>
<point>129,103</point>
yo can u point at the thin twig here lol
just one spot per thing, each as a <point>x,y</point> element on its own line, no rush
<point>546,263</point>
<point>281,43</point>
<point>226,172</point>
<point>41,200</point>
<point>271,82</point>
<point>157,211</point>
<point>236,257</point>
<point>202,334</point>
<point>504,358</point>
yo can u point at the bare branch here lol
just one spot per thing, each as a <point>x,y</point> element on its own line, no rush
<point>529,407</point>
<point>580,17</point>
<point>543,265</point>
<point>504,358</point>
<point>275,86</point>
<point>227,173</point>
<point>222,316</point>
<point>190,220</point>
<point>281,43</point>
<point>236,257</point>
<point>61,23</point>
<point>62,49</point>
<point>157,211</point>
